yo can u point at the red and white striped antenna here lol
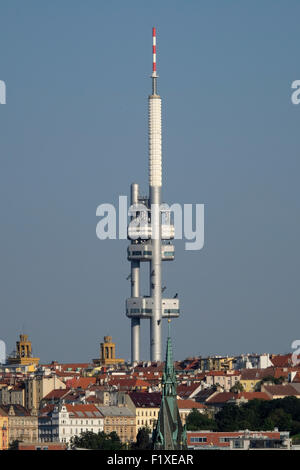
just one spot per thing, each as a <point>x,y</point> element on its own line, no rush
<point>153,52</point>
<point>154,74</point>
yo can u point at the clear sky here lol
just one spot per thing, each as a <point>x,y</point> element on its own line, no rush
<point>73,135</point>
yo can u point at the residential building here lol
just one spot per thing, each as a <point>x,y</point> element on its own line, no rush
<point>145,406</point>
<point>252,361</point>
<point>240,440</point>
<point>3,430</point>
<point>13,394</point>
<point>217,363</point>
<point>22,424</point>
<point>120,419</point>
<point>225,379</point>
<point>38,386</point>
<point>64,421</point>
<point>42,446</point>
<point>281,391</point>
<point>217,400</point>
<point>185,407</point>
<point>250,378</point>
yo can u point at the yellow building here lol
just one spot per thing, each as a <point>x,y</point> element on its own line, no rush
<point>217,363</point>
<point>108,353</point>
<point>3,430</point>
<point>144,405</point>
<point>120,420</point>
<point>23,354</point>
<point>249,379</point>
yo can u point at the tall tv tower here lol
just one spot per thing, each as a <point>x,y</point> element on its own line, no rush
<point>150,232</point>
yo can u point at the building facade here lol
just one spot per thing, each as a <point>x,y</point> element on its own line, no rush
<point>239,440</point>
<point>63,422</point>
<point>22,425</point>
<point>3,430</point>
<point>119,419</point>
<point>38,386</point>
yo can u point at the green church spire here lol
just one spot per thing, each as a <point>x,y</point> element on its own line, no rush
<point>169,433</point>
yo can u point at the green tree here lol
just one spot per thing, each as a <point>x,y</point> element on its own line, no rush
<point>280,419</point>
<point>91,440</point>
<point>229,417</point>
<point>143,439</point>
<point>14,445</point>
<point>238,387</point>
<point>197,421</point>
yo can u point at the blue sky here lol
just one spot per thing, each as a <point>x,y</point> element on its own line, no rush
<point>73,135</point>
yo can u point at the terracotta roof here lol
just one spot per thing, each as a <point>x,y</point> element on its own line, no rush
<point>145,399</point>
<point>81,382</point>
<point>224,397</point>
<point>46,410</point>
<point>281,390</point>
<point>128,384</point>
<point>189,404</point>
<point>56,394</point>
<point>224,373</point>
<point>19,410</point>
<point>257,374</point>
<point>282,360</point>
<point>83,411</point>
<point>185,391</point>
<point>297,377</point>
<point>253,395</point>
<point>204,394</point>
<point>221,397</point>
<point>93,399</point>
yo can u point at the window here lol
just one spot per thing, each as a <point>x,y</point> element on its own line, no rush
<point>198,439</point>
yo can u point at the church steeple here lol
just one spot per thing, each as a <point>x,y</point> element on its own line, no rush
<point>169,433</point>
<point>169,376</point>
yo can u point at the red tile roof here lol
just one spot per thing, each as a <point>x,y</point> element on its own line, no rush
<point>129,384</point>
<point>189,404</point>
<point>185,391</point>
<point>224,397</point>
<point>281,390</point>
<point>81,382</point>
<point>56,394</point>
<point>282,360</point>
<point>83,411</point>
<point>145,399</point>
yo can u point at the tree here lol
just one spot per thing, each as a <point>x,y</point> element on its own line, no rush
<point>196,421</point>
<point>143,440</point>
<point>279,419</point>
<point>229,417</point>
<point>91,440</point>
<point>238,387</point>
<point>14,445</point>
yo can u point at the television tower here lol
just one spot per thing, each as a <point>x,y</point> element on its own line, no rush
<point>150,232</point>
